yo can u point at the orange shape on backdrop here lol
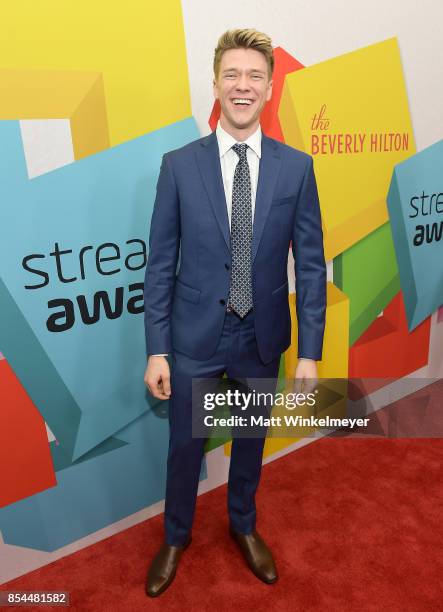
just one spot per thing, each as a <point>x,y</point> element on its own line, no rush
<point>388,350</point>
<point>25,455</point>
<point>269,121</point>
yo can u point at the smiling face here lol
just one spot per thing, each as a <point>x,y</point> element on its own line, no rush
<point>243,88</point>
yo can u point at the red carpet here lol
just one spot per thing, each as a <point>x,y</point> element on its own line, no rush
<point>354,524</point>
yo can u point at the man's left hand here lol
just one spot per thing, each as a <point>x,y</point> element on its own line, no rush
<point>306,376</point>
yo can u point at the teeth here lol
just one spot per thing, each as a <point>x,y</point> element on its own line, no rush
<point>242,101</point>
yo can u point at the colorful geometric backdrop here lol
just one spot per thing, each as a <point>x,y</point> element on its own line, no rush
<point>82,444</point>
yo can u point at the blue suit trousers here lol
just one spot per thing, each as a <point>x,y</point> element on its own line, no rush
<point>237,356</point>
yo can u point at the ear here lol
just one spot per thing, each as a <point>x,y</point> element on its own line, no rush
<point>215,88</point>
<point>269,92</point>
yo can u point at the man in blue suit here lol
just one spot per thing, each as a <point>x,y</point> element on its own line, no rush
<point>228,207</point>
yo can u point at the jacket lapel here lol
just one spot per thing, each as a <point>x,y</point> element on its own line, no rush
<point>267,179</point>
<point>208,160</point>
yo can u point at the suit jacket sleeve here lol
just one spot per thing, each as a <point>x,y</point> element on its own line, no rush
<point>310,268</point>
<point>164,242</point>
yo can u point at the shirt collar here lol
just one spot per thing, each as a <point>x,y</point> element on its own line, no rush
<point>225,140</point>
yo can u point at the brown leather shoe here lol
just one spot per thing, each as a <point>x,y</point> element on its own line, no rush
<point>257,555</point>
<point>163,568</point>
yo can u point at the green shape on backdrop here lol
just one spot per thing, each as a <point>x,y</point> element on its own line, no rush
<point>367,273</point>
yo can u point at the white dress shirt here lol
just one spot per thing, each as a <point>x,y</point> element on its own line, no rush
<point>229,160</point>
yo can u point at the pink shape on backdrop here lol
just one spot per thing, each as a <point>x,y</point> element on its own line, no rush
<point>440,315</point>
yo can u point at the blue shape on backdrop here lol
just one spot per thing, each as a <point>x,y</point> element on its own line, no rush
<point>415,203</point>
<point>103,199</point>
<point>94,493</point>
<point>86,381</point>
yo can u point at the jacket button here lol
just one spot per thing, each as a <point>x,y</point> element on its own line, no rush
<point>227,266</point>
<point>222,302</point>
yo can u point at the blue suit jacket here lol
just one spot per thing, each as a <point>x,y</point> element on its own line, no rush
<point>185,307</point>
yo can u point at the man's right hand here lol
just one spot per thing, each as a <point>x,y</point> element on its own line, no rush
<point>158,377</point>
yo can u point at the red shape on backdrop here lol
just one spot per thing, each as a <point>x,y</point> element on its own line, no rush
<point>25,457</point>
<point>269,121</point>
<point>388,350</point>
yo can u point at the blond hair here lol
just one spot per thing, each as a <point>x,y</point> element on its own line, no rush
<point>248,38</point>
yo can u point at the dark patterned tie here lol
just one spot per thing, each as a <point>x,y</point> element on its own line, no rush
<point>240,291</point>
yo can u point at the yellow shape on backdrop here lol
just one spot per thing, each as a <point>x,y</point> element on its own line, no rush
<point>334,364</point>
<point>273,445</point>
<point>138,47</point>
<point>351,113</point>
<point>335,356</point>
<point>79,97</point>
